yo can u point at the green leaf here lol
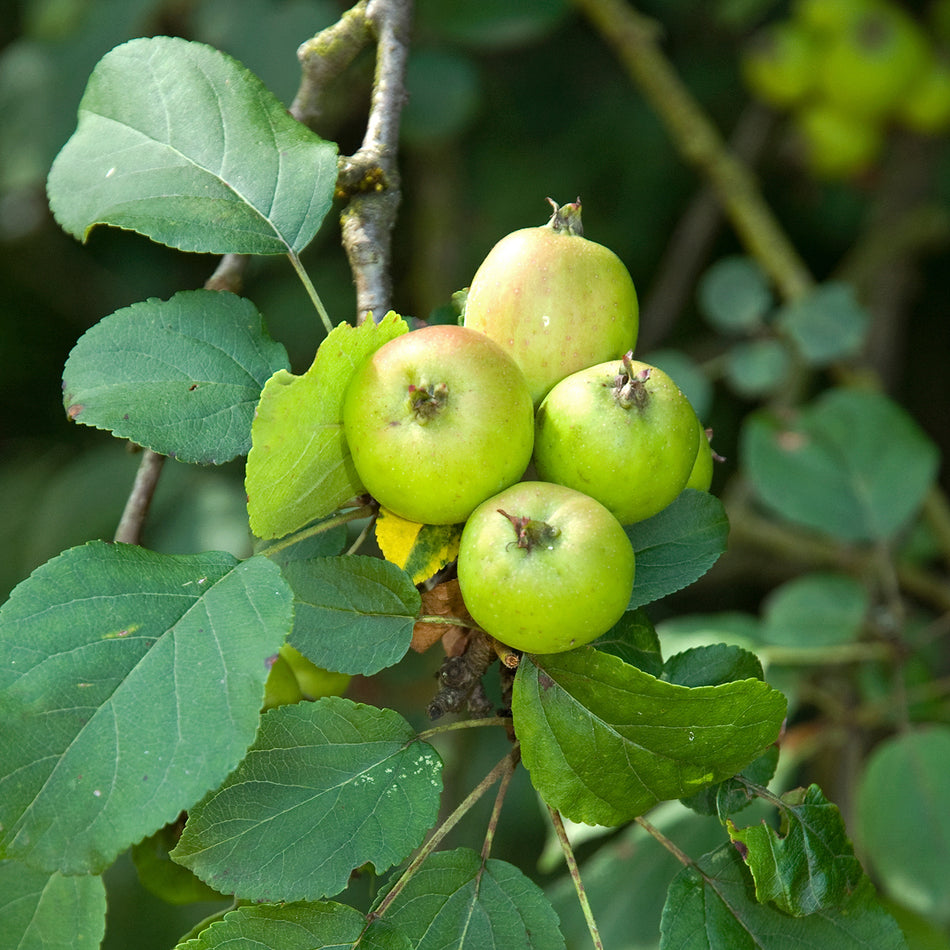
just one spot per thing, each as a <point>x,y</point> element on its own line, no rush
<point>827,325</point>
<point>298,926</point>
<point>181,377</point>
<point>326,787</point>
<point>902,820</point>
<point>677,546</point>
<point>159,875</point>
<point>183,144</point>
<point>299,467</point>
<point>757,368</point>
<point>712,665</point>
<point>626,879</point>
<point>116,666</point>
<point>733,795</point>
<point>353,614</point>
<point>809,864</point>
<point>633,639</point>
<point>42,911</point>
<point>734,295</point>
<point>458,900</point>
<point>815,610</point>
<point>688,376</point>
<point>852,464</point>
<point>711,906</point>
<point>605,741</point>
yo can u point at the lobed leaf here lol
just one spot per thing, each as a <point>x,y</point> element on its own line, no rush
<point>299,467</point>
<point>326,787</point>
<point>809,864</point>
<point>353,614</point>
<point>604,741</point>
<point>852,464</point>
<point>181,377</point>
<point>298,926</point>
<point>116,665</point>
<point>677,546</point>
<point>42,911</point>
<point>180,142</point>
<point>457,899</point>
<point>711,905</point>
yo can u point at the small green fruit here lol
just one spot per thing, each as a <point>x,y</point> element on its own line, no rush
<point>837,144</point>
<point>869,67</point>
<point>544,568</point>
<point>281,686</point>
<point>926,106</point>
<point>554,300</point>
<point>779,64</point>
<point>313,681</point>
<point>620,432</point>
<point>702,474</point>
<point>437,420</point>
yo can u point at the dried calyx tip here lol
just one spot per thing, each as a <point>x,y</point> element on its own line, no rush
<point>427,400</point>
<point>629,385</point>
<point>531,533</point>
<point>566,218</point>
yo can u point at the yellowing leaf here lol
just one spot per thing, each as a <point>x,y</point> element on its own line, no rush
<point>299,467</point>
<point>419,549</point>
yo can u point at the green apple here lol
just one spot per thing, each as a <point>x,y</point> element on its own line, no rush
<point>702,474</point>
<point>870,65</point>
<point>437,420</point>
<point>554,300</point>
<point>313,680</point>
<point>779,63</point>
<point>926,106</point>
<point>837,144</point>
<point>621,432</point>
<point>544,568</point>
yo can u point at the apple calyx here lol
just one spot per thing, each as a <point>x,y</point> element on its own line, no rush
<point>427,401</point>
<point>566,219</point>
<point>530,533</point>
<point>629,385</point>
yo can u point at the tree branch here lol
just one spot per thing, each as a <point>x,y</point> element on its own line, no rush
<point>133,517</point>
<point>634,38</point>
<point>371,175</point>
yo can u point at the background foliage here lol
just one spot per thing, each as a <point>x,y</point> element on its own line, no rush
<point>506,109</point>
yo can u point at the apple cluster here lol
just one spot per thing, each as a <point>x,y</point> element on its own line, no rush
<point>845,71</point>
<point>532,425</point>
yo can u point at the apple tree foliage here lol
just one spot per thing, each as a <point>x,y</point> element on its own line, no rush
<point>132,682</point>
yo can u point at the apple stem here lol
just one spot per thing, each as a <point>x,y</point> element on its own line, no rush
<point>629,385</point>
<point>531,533</point>
<point>427,401</point>
<point>567,218</point>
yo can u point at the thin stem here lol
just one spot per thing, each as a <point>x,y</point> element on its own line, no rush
<point>513,758</point>
<point>343,518</point>
<point>575,876</point>
<point>129,530</point>
<point>311,290</point>
<point>658,835</point>
<point>447,621</point>
<point>460,812</point>
<point>463,724</point>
